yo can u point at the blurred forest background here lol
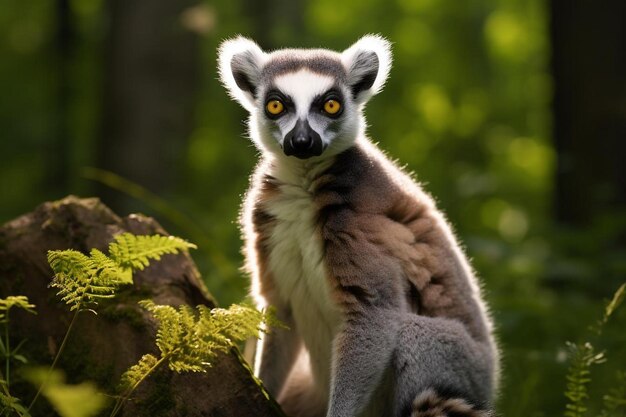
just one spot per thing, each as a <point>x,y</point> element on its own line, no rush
<point>511,112</point>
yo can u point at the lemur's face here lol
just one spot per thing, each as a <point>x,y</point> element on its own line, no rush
<point>304,112</point>
<point>305,103</point>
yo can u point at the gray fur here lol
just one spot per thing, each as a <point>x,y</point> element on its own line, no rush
<point>291,60</point>
<point>363,72</point>
<point>385,317</point>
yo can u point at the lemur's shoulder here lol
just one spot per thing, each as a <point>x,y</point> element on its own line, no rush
<point>364,178</point>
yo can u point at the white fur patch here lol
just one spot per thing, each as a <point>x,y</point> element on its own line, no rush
<point>296,261</point>
<point>302,87</point>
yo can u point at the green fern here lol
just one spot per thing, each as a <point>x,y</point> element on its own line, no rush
<point>189,340</point>
<point>82,280</point>
<point>583,356</point>
<point>135,252</point>
<point>137,373</point>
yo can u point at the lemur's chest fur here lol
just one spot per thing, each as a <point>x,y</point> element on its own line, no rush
<point>296,261</point>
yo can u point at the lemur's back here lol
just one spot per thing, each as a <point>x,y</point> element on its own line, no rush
<point>384,314</point>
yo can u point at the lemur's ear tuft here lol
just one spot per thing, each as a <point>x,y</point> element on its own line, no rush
<point>367,64</point>
<point>240,62</point>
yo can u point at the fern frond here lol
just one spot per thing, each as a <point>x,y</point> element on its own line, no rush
<point>109,272</point>
<point>83,279</point>
<point>135,252</point>
<point>138,372</point>
<point>582,357</point>
<point>235,324</point>
<point>18,301</point>
<point>169,332</point>
<point>191,339</point>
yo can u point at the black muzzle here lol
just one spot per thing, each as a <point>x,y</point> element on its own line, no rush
<point>302,141</point>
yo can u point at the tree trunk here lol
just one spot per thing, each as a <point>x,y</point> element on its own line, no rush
<point>102,347</point>
<point>58,155</point>
<point>150,81</point>
<point>589,68</point>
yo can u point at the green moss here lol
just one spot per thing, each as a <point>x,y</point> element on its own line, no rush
<point>79,365</point>
<point>129,314</point>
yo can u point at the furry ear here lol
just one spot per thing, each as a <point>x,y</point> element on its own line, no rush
<point>240,61</point>
<point>367,64</point>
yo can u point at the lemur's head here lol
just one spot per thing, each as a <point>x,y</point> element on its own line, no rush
<point>305,102</point>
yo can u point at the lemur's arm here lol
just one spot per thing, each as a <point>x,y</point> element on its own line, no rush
<point>277,351</point>
<point>362,353</point>
<point>368,286</point>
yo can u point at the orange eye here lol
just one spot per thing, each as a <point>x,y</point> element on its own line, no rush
<point>275,107</point>
<point>332,106</point>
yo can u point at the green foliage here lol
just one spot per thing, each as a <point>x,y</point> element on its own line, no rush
<point>82,279</point>
<point>583,356</point>
<point>134,252</point>
<point>80,400</point>
<point>8,353</point>
<point>189,340</point>
<point>18,301</point>
<point>137,373</point>
<point>10,403</point>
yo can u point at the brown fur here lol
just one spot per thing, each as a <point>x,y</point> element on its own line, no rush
<point>376,225</point>
<point>364,209</point>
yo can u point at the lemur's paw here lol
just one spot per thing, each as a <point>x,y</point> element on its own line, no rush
<point>430,404</point>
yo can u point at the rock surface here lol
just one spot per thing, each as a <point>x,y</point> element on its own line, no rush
<point>102,347</point>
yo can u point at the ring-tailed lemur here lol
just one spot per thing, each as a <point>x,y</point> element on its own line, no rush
<point>384,314</point>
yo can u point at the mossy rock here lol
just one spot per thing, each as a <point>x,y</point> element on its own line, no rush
<point>103,346</point>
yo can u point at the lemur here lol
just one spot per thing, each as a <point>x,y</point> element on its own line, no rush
<point>384,315</point>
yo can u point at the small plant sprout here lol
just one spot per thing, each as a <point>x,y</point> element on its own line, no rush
<point>21,302</point>
<point>7,401</point>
